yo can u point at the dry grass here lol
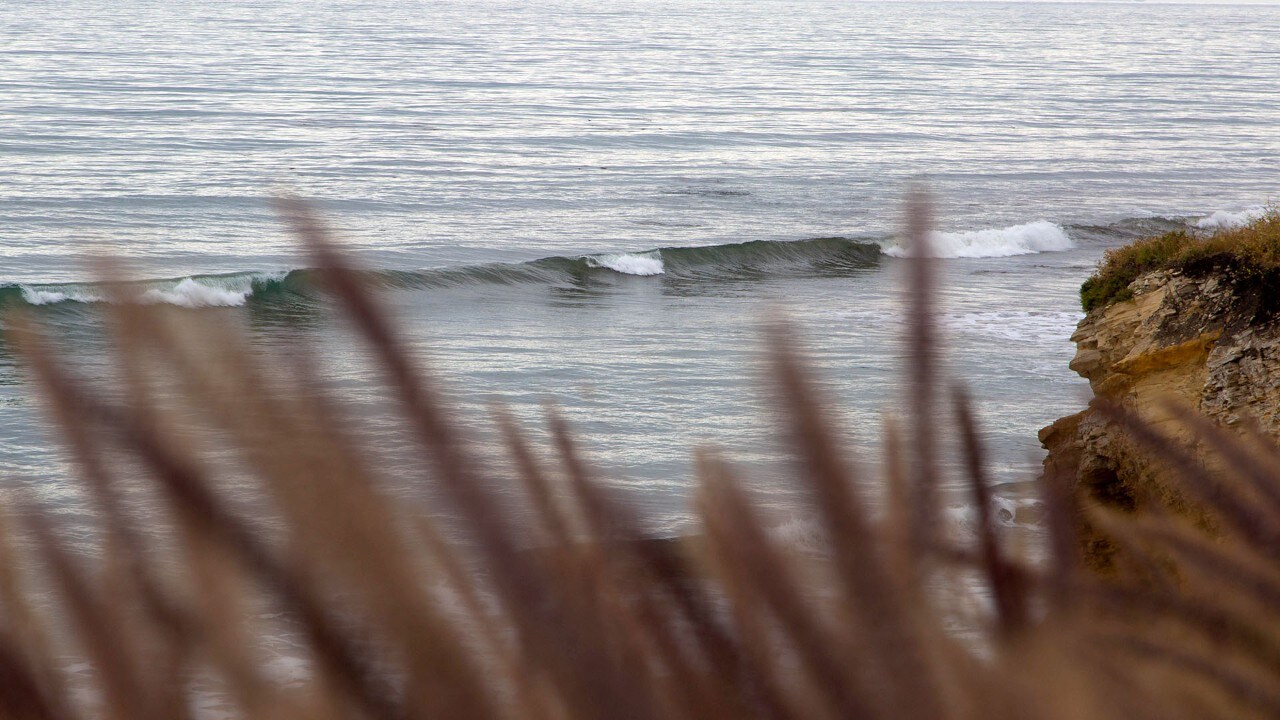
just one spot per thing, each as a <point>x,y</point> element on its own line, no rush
<point>399,620</point>
<point>1252,250</point>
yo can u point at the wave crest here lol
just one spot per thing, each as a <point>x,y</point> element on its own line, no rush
<point>649,263</point>
<point>1030,238</point>
<point>1226,219</point>
<point>189,292</point>
<point>681,268</point>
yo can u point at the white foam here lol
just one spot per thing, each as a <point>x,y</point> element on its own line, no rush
<point>1045,327</point>
<point>190,294</point>
<point>630,264</point>
<point>800,533</point>
<point>1226,219</point>
<point>1035,237</point>
<point>36,296</point>
<point>187,292</point>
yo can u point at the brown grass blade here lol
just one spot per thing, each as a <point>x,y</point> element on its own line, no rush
<point>894,629</point>
<point>677,615</point>
<point>113,654</point>
<point>1234,503</point>
<point>591,680</point>
<point>739,543</point>
<point>922,351</point>
<point>21,694</point>
<point>26,630</point>
<point>1010,595</point>
<point>1241,460</point>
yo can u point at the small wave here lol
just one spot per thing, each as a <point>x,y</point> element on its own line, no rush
<point>202,291</point>
<point>680,267</point>
<point>36,296</point>
<point>649,263</point>
<point>1226,219</point>
<point>1034,237</point>
<point>683,269</point>
<point>1125,230</point>
<point>191,294</point>
<point>757,259</point>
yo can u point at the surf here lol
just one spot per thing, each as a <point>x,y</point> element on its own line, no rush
<point>835,256</point>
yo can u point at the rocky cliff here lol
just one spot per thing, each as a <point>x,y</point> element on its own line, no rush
<point>1207,337</point>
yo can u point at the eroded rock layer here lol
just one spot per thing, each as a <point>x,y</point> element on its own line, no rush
<point>1204,338</point>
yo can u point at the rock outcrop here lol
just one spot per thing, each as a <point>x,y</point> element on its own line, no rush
<point>1206,338</point>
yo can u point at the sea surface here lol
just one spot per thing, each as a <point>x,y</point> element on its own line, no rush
<point>595,204</point>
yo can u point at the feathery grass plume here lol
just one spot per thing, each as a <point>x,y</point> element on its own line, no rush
<point>576,613</point>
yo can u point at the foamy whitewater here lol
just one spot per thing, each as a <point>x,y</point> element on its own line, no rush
<point>1225,219</point>
<point>189,292</point>
<point>1039,236</point>
<point>630,264</point>
<point>595,203</point>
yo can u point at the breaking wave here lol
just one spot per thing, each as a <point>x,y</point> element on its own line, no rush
<point>1226,219</point>
<point>738,261</point>
<point>641,264</point>
<point>1035,237</point>
<point>682,267</point>
<point>197,291</point>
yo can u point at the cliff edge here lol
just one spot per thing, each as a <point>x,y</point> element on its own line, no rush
<point>1199,324</point>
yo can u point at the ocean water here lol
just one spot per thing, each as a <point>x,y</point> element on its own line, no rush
<point>596,203</point>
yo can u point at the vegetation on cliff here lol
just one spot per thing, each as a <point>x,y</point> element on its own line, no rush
<point>1182,320</point>
<point>1252,249</point>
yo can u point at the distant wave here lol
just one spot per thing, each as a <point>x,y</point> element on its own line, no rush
<point>1226,219</point>
<point>1035,237</point>
<point>683,267</point>
<point>737,261</point>
<point>197,291</point>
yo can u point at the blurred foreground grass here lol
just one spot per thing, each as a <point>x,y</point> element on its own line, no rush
<point>394,618</point>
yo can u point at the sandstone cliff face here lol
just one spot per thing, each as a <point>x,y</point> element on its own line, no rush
<point>1209,340</point>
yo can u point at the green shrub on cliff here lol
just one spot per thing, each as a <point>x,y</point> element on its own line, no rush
<point>1253,249</point>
